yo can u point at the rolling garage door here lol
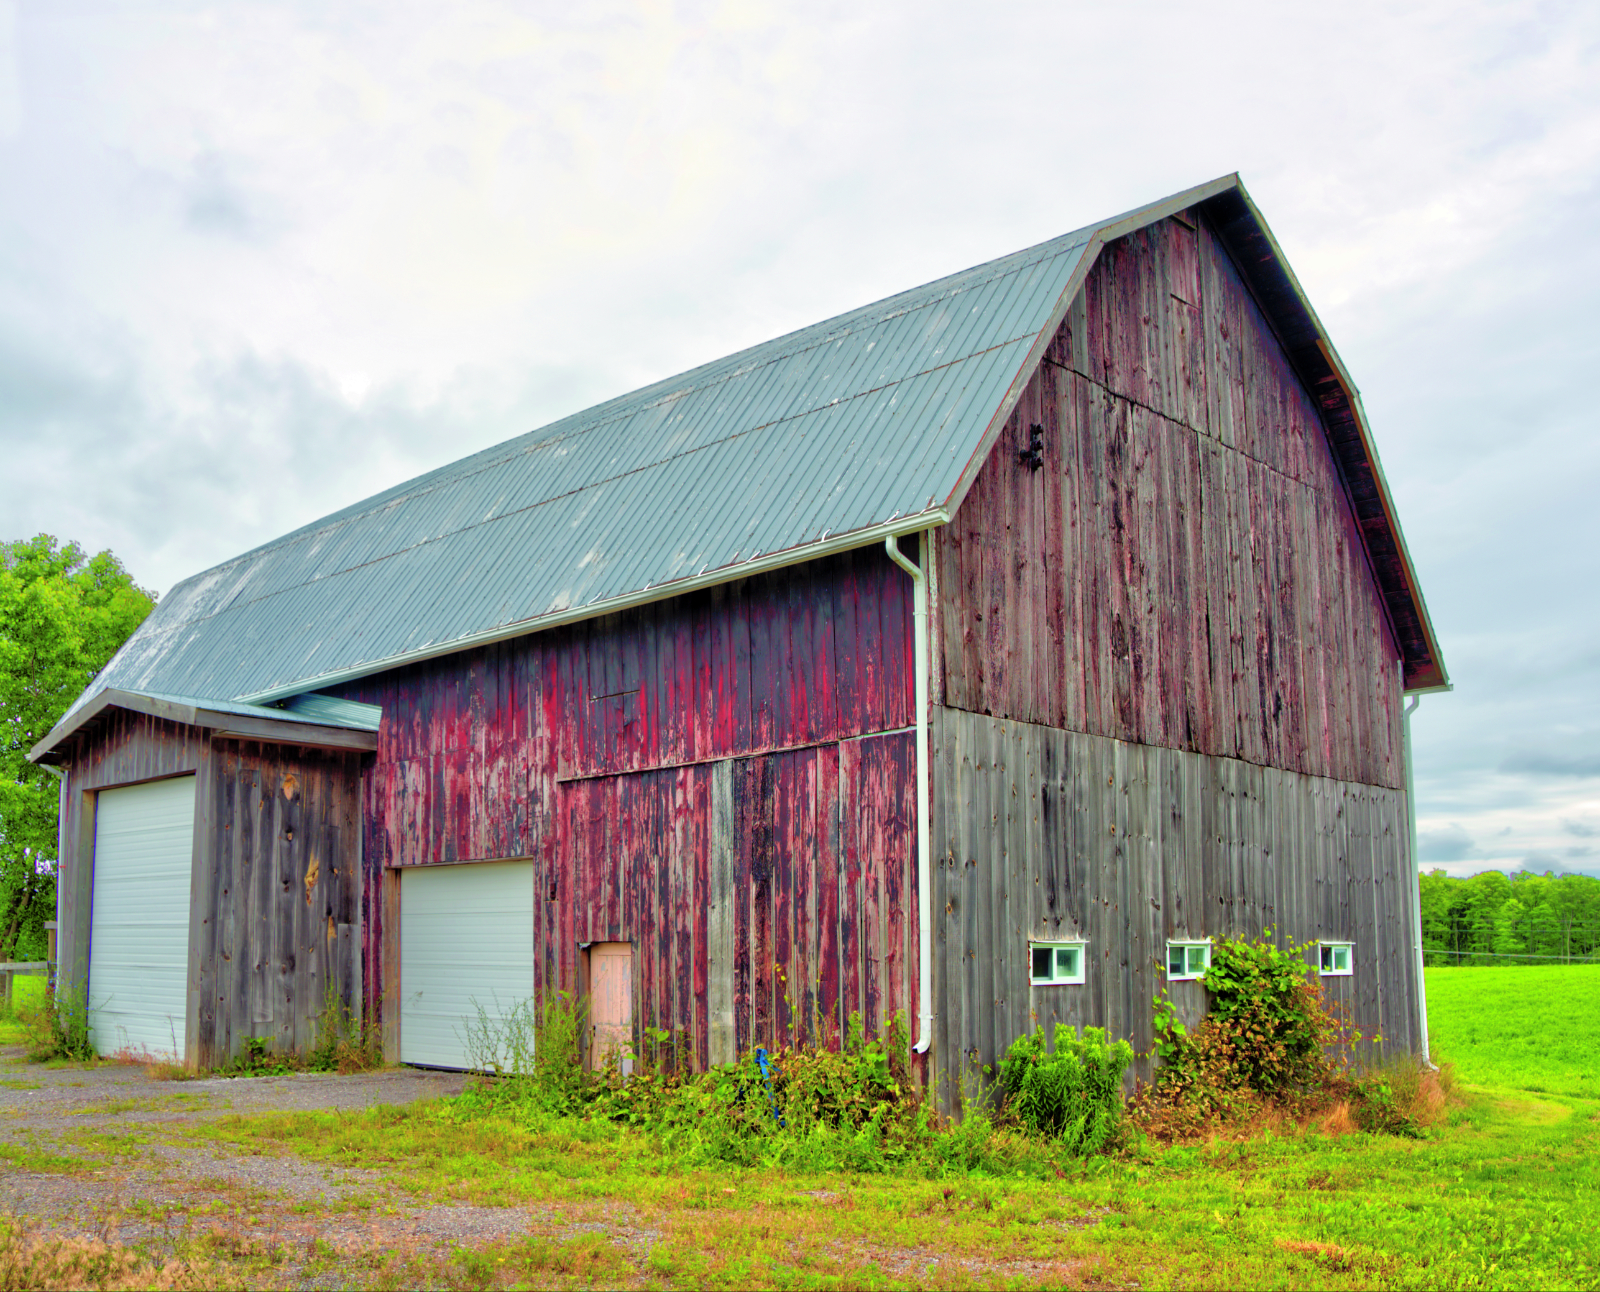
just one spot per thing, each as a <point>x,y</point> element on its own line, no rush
<point>466,939</point>
<point>139,918</point>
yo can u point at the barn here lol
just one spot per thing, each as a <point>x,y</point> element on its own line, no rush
<point>978,656</point>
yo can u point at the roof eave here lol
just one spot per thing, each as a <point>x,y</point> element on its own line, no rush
<point>287,730</point>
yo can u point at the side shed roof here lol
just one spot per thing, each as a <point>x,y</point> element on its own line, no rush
<point>872,423</point>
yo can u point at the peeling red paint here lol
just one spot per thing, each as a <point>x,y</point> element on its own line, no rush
<point>590,748</point>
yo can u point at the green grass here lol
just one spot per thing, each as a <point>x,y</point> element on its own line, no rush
<point>1500,1194</point>
<point>1516,1028</point>
<point>1500,1197</point>
<point>27,990</point>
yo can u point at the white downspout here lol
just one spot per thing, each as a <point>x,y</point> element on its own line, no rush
<point>919,612</point>
<point>1416,877</point>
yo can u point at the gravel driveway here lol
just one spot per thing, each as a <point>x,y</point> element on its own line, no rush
<point>157,1195</point>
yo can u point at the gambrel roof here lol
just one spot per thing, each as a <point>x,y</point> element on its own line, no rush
<point>869,424</point>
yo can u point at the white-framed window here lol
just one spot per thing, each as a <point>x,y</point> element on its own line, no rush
<point>1188,958</point>
<point>1056,962</point>
<point>1336,959</point>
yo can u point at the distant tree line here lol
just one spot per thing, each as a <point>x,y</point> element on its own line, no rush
<point>1510,919</point>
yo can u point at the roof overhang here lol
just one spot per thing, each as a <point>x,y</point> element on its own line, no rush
<point>1266,270</point>
<point>240,721</point>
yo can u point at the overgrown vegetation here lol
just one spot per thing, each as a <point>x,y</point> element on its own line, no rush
<point>57,1027</point>
<point>802,1107</point>
<point>1270,1046</point>
<point>1498,1194</point>
<point>344,1043</point>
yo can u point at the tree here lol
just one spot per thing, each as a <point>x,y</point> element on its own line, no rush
<point>62,617</point>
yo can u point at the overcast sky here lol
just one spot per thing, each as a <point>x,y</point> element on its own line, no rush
<point>259,260</point>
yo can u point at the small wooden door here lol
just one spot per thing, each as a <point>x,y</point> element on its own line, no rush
<point>611,1003</point>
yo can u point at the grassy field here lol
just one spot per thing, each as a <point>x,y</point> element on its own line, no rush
<point>1520,1028</point>
<point>1501,1193</point>
<point>25,991</point>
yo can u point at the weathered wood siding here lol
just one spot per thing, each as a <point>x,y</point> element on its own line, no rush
<point>596,751</point>
<point>277,880</point>
<point>273,885</point>
<point>1050,834</point>
<point>1185,569</point>
<point>767,898</point>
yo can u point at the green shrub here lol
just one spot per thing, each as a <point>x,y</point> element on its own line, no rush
<point>1073,1094</point>
<point>1265,1002</point>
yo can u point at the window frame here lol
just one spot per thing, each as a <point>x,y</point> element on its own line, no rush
<point>1187,943</point>
<point>1081,945</point>
<point>1349,970</point>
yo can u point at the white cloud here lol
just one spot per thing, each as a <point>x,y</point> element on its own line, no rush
<point>260,260</point>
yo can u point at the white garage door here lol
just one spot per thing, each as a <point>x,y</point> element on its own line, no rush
<point>139,920</point>
<point>466,939</point>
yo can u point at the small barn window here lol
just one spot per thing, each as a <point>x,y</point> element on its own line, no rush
<point>1187,960</point>
<point>1056,962</point>
<point>1336,959</point>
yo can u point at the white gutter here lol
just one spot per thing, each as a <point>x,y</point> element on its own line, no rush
<point>1416,877</point>
<point>919,612</point>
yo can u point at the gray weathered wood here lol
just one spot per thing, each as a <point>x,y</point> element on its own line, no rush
<point>1139,844</point>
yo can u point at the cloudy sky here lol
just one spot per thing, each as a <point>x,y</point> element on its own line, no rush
<point>258,260</point>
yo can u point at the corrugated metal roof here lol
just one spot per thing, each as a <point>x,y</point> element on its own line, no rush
<point>871,422</point>
<point>864,420</point>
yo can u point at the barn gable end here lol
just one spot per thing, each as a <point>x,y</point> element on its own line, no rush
<point>1170,689</point>
<point>1184,568</point>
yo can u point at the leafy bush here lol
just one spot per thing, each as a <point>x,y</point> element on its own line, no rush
<point>1074,1094</point>
<point>1272,1014</point>
<point>1269,1040</point>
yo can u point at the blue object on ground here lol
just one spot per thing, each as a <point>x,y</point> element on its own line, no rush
<point>764,1063</point>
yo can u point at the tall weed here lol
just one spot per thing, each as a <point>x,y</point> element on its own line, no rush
<point>1073,1094</point>
<point>58,1028</point>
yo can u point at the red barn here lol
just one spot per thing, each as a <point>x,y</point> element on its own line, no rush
<point>979,655</point>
